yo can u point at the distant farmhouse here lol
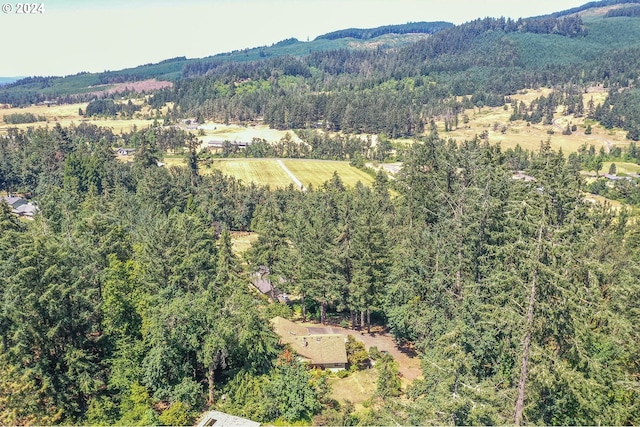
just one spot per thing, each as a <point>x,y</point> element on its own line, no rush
<point>125,151</point>
<point>216,144</point>
<point>318,347</point>
<point>20,206</point>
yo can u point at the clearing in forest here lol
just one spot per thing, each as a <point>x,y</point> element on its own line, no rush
<point>317,172</point>
<point>258,171</point>
<point>499,129</point>
<point>68,114</point>
<point>270,172</point>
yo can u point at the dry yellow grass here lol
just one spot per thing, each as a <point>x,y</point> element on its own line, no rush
<point>494,120</point>
<point>356,388</point>
<point>68,114</point>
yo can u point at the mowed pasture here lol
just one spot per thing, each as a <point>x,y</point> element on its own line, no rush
<point>622,168</point>
<point>317,172</point>
<point>269,172</point>
<point>258,171</point>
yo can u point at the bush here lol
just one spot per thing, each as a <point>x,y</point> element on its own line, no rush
<point>282,310</point>
<point>344,373</point>
<point>18,118</point>
<point>356,353</point>
<point>178,414</point>
<point>374,353</point>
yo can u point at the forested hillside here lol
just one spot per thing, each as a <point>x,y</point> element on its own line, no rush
<point>398,92</point>
<point>125,302</point>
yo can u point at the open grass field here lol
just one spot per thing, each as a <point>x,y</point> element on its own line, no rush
<point>356,388</point>
<point>234,132</point>
<point>68,114</point>
<point>316,172</point>
<point>614,204</point>
<point>259,171</point>
<point>621,167</point>
<point>494,119</point>
<point>242,240</point>
<point>269,172</point>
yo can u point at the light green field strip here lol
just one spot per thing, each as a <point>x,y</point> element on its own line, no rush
<point>316,172</point>
<point>291,175</point>
<point>259,171</point>
<point>621,167</point>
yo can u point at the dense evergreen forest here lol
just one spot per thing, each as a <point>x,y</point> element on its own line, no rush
<point>123,302</point>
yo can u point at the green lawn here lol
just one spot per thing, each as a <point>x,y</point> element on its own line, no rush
<point>621,167</point>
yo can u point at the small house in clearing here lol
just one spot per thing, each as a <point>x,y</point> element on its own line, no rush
<point>318,347</point>
<point>20,206</point>
<point>125,151</point>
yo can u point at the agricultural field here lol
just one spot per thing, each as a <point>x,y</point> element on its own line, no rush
<point>316,172</point>
<point>270,171</point>
<point>259,171</point>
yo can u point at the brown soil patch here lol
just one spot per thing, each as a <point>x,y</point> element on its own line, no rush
<point>138,87</point>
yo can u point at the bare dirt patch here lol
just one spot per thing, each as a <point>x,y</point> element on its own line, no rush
<point>138,87</point>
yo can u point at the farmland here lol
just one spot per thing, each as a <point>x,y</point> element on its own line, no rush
<point>269,172</point>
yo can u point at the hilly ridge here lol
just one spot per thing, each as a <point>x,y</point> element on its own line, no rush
<point>374,82</point>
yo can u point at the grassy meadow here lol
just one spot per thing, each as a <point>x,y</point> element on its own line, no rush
<point>68,114</point>
<point>236,132</point>
<point>518,132</point>
<point>622,168</point>
<point>269,172</point>
<point>259,171</point>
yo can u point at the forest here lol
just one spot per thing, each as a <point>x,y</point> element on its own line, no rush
<point>124,302</point>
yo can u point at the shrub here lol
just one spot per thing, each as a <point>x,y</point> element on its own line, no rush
<point>344,373</point>
<point>356,353</point>
<point>178,414</point>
